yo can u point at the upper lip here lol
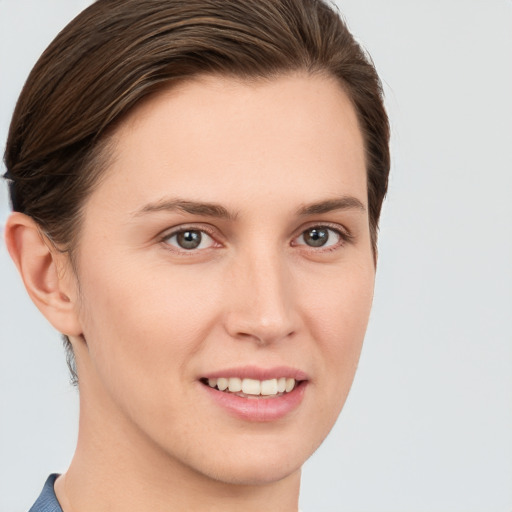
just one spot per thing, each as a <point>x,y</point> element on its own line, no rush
<point>257,373</point>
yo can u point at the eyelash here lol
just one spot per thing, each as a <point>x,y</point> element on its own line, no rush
<point>183,229</point>
<point>342,233</point>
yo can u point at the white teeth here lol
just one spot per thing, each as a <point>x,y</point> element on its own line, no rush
<point>222,383</point>
<point>251,387</point>
<point>269,387</point>
<point>235,385</point>
<point>290,384</point>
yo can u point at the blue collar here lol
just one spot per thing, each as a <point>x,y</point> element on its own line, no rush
<point>47,501</point>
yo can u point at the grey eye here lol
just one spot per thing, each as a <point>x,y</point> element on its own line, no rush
<point>319,236</point>
<point>190,239</point>
<point>316,237</point>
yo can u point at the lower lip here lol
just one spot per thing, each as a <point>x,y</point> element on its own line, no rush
<point>258,409</point>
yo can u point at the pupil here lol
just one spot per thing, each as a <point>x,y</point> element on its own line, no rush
<point>316,237</point>
<point>189,239</point>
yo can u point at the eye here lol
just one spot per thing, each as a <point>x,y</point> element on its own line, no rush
<point>319,236</point>
<point>190,239</point>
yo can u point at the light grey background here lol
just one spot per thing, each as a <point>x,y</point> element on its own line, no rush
<point>428,424</point>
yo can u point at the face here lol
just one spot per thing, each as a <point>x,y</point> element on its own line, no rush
<point>227,245</point>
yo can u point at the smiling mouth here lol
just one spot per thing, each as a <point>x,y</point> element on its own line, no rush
<point>253,388</point>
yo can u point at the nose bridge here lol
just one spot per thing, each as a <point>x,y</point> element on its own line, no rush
<point>262,297</point>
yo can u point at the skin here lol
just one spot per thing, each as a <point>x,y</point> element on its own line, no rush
<point>148,319</point>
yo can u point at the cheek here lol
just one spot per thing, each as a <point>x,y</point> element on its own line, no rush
<point>339,320</point>
<point>355,296</point>
<point>143,325</point>
<point>340,307</point>
<point>144,320</point>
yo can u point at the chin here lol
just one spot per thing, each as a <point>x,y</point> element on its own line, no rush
<point>254,474</point>
<point>255,464</point>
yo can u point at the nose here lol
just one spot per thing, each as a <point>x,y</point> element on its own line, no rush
<point>261,300</point>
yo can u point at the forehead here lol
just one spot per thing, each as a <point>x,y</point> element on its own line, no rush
<point>223,139</point>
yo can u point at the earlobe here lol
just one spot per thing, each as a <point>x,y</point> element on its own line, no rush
<point>45,272</point>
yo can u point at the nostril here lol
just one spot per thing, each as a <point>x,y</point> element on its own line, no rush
<point>263,333</point>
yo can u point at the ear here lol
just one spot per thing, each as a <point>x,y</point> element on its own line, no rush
<point>46,273</point>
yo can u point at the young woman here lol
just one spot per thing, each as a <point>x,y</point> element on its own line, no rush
<point>196,190</point>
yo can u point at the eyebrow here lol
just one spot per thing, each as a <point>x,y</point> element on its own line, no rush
<point>218,211</point>
<point>340,203</point>
<point>192,207</point>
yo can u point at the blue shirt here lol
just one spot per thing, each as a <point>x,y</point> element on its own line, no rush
<point>47,501</point>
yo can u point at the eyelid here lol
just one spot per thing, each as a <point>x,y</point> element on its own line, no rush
<point>203,228</point>
<point>344,234</point>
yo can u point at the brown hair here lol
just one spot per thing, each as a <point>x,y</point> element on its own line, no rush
<point>117,52</point>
